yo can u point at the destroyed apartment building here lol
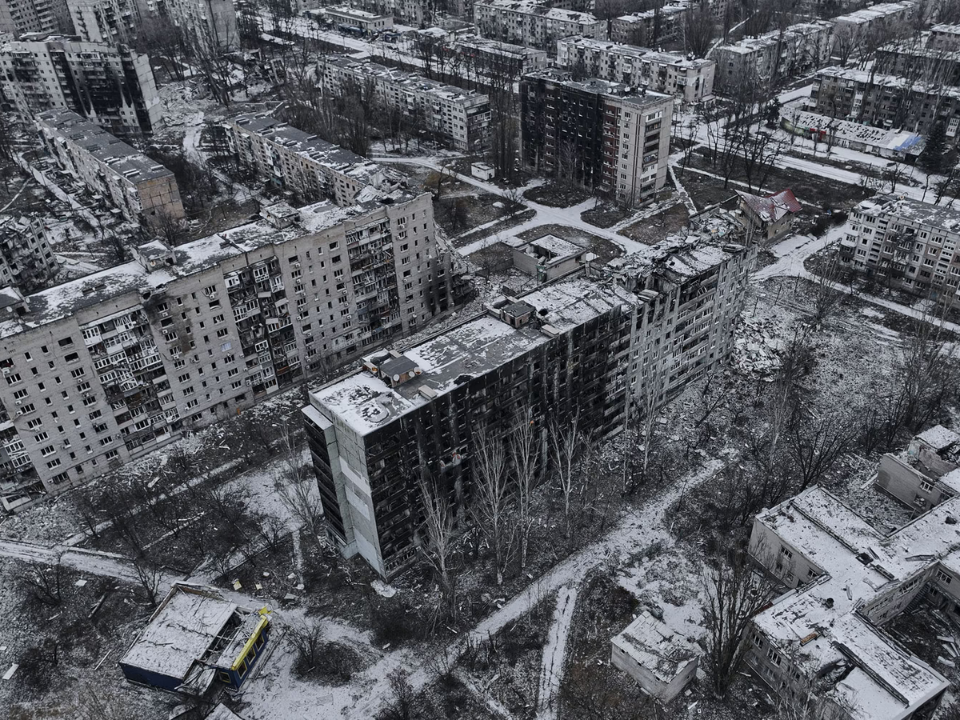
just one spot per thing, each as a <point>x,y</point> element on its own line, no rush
<point>26,257</point>
<point>849,580</point>
<point>109,85</point>
<point>906,244</point>
<point>137,186</point>
<point>110,366</point>
<point>576,347</point>
<point>313,168</point>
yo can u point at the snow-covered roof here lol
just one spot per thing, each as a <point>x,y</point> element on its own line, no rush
<point>621,91</point>
<point>904,209</point>
<point>312,148</point>
<point>874,13</point>
<point>649,15</point>
<point>794,32</point>
<point>654,645</point>
<point>365,402</point>
<point>939,438</point>
<point>772,208</point>
<point>123,160</point>
<point>637,54</point>
<point>61,301</point>
<point>820,622</point>
<point>880,138</point>
<point>851,76</point>
<point>180,633</point>
<point>407,81</point>
<point>533,7</point>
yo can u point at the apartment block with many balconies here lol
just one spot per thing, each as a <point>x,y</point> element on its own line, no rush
<point>906,244</point>
<point>532,23</point>
<point>576,347</point>
<point>106,84</point>
<point>456,117</point>
<point>105,368</point>
<point>600,134</point>
<point>26,257</point>
<point>689,80</point>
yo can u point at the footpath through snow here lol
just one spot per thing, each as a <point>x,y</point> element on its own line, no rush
<point>275,695</point>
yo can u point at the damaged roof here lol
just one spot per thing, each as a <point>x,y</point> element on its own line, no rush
<point>772,208</point>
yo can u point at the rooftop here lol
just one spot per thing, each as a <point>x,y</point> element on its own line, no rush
<point>121,158</point>
<point>645,15</point>
<point>891,81</point>
<point>405,79</point>
<point>365,402</point>
<point>858,565</point>
<point>316,150</point>
<point>496,46</point>
<point>873,13</point>
<point>800,30</point>
<point>180,633</point>
<point>64,300</point>
<point>898,140</point>
<point>621,91</point>
<point>352,12</point>
<point>532,7</point>
<point>772,208</point>
<point>657,647</point>
<point>937,216</point>
<point>632,51</point>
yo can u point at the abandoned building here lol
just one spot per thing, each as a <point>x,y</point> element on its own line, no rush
<point>690,80</point>
<point>905,244</point>
<point>194,640</point>
<point>547,257</point>
<point>849,579</point>
<point>659,658</point>
<point>113,365</point>
<point>600,134</point>
<point>137,186</point>
<point>305,164</point>
<point>769,218</point>
<point>573,347</point>
<point>26,258</point>
<point>109,85</point>
<point>458,118</point>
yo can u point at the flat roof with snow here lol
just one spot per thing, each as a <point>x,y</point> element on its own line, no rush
<point>180,633</point>
<point>875,678</point>
<point>364,402</point>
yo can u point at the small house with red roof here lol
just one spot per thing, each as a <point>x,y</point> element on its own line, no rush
<point>771,217</point>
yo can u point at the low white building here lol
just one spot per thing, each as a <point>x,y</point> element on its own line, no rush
<point>659,658</point>
<point>895,144</point>
<point>689,79</point>
<point>548,257</point>
<point>368,22</point>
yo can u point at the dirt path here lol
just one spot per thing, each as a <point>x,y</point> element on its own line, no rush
<point>554,653</point>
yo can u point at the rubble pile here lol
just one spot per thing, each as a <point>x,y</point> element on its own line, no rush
<point>757,347</point>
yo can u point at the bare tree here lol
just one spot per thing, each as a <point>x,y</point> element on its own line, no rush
<point>306,636</point>
<point>44,583</point>
<point>493,505</point>
<point>441,535</point>
<point>402,706</point>
<point>150,577</point>
<point>734,594</point>
<point>699,28</point>
<point>525,458</point>
<point>815,445</point>
<point>565,443</point>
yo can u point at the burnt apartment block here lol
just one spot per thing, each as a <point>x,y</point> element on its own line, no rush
<point>567,349</point>
<point>606,136</point>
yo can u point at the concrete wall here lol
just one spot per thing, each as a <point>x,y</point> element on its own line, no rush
<point>907,484</point>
